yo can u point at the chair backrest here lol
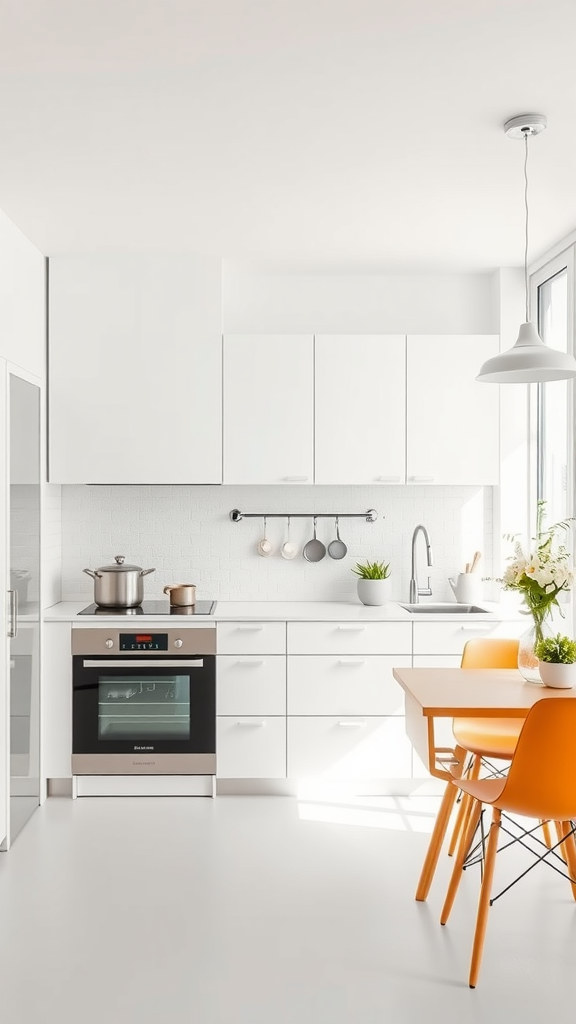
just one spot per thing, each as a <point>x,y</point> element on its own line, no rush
<point>541,781</point>
<point>484,653</point>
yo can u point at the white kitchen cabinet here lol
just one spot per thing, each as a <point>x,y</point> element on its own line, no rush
<point>135,366</point>
<point>22,300</point>
<point>452,420</point>
<point>251,638</point>
<point>344,684</point>
<point>268,409</point>
<point>347,748</point>
<point>345,709</point>
<point>251,747</point>
<point>349,638</point>
<point>450,637</point>
<point>4,642</point>
<point>360,409</point>
<point>57,700</point>
<point>251,685</point>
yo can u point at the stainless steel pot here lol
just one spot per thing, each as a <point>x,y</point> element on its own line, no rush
<point>182,595</point>
<point>119,585</point>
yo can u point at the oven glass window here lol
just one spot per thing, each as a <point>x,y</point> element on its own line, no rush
<point>143,709</point>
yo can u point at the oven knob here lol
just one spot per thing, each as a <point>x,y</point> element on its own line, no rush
<point>109,642</point>
<point>178,643</point>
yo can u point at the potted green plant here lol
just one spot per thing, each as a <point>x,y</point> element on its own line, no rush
<point>557,660</point>
<point>373,585</point>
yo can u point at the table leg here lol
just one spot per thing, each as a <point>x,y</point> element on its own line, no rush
<point>439,830</point>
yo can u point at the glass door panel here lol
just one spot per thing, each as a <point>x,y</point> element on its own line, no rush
<point>24,526</point>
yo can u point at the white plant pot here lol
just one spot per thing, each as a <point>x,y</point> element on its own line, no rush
<point>374,591</point>
<point>556,675</point>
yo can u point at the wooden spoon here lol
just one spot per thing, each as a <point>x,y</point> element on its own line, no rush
<point>475,560</point>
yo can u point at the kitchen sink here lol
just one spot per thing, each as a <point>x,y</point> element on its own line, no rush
<point>450,608</point>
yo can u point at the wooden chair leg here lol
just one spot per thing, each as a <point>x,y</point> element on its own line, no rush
<point>547,834</point>
<point>463,848</point>
<point>569,851</point>
<point>484,901</point>
<point>461,822</point>
<point>436,840</point>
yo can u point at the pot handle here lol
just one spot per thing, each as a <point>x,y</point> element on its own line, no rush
<point>94,575</point>
<point>145,572</point>
<point>167,590</point>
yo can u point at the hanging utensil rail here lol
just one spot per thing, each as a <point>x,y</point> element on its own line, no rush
<point>370,516</point>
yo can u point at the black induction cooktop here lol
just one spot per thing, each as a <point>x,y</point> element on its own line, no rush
<point>153,608</point>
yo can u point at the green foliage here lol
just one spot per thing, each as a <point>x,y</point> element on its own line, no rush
<point>372,570</point>
<point>558,650</point>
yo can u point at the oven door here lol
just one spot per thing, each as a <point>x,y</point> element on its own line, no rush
<point>144,715</point>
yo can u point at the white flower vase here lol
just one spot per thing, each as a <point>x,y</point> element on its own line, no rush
<point>561,677</point>
<point>374,592</point>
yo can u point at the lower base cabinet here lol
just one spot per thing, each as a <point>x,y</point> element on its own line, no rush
<point>348,747</point>
<point>251,748</point>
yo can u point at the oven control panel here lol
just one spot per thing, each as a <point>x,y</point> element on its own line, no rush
<point>114,642</point>
<point>144,642</point>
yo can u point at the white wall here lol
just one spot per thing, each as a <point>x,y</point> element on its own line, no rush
<point>22,300</point>
<point>187,535</point>
<point>260,299</point>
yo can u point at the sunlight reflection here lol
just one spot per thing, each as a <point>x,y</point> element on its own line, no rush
<point>393,813</point>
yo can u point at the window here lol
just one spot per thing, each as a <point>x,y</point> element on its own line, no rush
<point>552,290</point>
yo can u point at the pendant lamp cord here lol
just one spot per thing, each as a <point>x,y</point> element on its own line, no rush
<point>526,134</point>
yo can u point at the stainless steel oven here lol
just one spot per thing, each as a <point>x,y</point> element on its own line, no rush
<point>144,701</point>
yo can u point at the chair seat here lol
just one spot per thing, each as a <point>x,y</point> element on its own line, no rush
<point>488,737</point>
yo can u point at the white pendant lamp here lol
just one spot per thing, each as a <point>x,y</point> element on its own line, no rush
<point>529,361</point>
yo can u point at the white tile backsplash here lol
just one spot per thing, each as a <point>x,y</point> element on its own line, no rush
<point>186,533</point>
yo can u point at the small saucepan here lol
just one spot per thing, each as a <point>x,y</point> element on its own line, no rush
<point>314,550</point>
<point>182,595</point>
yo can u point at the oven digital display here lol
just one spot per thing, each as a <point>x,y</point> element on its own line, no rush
<point>143,641</point>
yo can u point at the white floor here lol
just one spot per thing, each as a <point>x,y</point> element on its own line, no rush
<point>263,910</point>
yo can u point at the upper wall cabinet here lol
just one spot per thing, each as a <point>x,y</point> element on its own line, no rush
<point>268,409</point>
<point>360,409</point>
<point>135,353</point>
<point>452,420</point>
<point>22,300</point>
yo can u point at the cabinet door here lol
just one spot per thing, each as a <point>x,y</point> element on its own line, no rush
<point>360,409</point>
<point>135,370</point>
<point>452,420</point>
<point>268,409</point>
<point>348,748</point>
<point>251,748</point>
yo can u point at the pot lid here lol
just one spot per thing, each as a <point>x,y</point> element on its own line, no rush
<point>119,566</point>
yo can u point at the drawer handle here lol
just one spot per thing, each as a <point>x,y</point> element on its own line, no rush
<point>388,479</point>
<point>296,479</point>
<point>421,479</point>
<point>351,629</point>
<point>250,661</point>
<point>354,725</point>
<point>250,725</point>
<point>480,627</point>
<point>351,661</point>
<point>250,629</point>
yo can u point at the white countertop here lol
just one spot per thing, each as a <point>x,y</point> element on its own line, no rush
<point>282,611</point>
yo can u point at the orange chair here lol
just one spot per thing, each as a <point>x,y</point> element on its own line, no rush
<point>480,737</point>
<point>541,783</point>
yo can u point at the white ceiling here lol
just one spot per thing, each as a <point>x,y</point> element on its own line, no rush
<point>359,132</point>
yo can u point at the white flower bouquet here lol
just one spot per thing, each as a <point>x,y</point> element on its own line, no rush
<point>544,573</point>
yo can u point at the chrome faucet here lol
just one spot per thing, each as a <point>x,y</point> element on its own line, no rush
<point>415,591</point>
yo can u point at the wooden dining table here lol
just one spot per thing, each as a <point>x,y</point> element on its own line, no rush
<point>439,693</point>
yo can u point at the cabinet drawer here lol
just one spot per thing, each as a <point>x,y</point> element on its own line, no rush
<point>345,684</point>
<point>251,684</point>
<point>349,638</point>
<point>251,638</point>
<point>250,748</point>
<point>450,637</point>
<point>348,748</point>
